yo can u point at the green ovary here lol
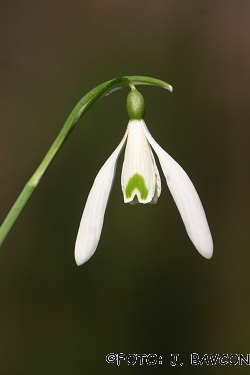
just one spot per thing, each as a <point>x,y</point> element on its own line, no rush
<point>136,182</point>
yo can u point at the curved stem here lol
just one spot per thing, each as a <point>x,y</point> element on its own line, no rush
<point>82,106</point>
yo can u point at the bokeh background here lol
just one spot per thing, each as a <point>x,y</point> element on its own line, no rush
<point>146,289</point>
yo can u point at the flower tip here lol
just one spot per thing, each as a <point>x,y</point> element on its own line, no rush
<point>82,257</point>
<point>85,247</point>
<point>207,250</point>
<point>80,260</point>
<point>208,255</point>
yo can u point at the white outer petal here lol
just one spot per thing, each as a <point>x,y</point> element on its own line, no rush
<point>92,219</point>
<point>186,199</point>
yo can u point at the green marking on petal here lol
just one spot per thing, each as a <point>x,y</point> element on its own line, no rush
<point>136,182</point>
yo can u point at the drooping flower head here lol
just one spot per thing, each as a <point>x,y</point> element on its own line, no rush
<point>141,183</point>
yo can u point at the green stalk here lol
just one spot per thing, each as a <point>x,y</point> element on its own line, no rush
<point>82,106</point>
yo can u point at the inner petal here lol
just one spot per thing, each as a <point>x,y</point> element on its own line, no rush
<point>140,177</point>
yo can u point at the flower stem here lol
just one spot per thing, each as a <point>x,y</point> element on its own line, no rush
<point>82,106</point>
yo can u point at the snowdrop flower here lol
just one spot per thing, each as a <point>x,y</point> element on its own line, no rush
<point>141,183</point>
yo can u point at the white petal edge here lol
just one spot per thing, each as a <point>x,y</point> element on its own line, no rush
<point>92,219</point>
<point>186,199</point>
<point>158,181</point>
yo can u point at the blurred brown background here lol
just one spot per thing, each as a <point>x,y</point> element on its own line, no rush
<point>146,290</point>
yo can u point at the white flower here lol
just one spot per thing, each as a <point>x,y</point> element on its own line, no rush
<point>141,183</point>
